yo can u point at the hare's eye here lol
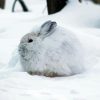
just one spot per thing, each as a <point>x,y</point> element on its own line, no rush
<point>30,40</point>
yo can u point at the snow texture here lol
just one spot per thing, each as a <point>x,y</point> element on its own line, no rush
<point>80,18</point>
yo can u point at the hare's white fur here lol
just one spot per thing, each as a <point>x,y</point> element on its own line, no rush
<point>59,53</point>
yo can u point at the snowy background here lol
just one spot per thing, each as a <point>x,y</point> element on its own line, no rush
<point>83,19</point>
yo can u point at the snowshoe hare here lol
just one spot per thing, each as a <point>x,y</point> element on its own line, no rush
<point>51,51</point>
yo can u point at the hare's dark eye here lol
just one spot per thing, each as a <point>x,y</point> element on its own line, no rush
<point>30,40</point>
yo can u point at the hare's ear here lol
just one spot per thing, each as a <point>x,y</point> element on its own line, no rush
<point>47,28</point>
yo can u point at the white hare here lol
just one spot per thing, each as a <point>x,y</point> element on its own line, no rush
<point>51,51</point>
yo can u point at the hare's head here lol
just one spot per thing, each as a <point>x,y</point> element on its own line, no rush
<point>31,42</point>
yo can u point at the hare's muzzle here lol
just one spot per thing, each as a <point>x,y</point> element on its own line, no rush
<point>22,50</point>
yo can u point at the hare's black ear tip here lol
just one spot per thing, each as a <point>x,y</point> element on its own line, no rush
<point>49,23</point>
<point>54,23</point>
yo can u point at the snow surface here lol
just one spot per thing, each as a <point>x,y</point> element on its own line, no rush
<point>15,84</point>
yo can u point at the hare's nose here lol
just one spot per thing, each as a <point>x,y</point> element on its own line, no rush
<point>30,40</point>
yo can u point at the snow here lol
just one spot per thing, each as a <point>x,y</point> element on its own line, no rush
<point>15,84</point>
